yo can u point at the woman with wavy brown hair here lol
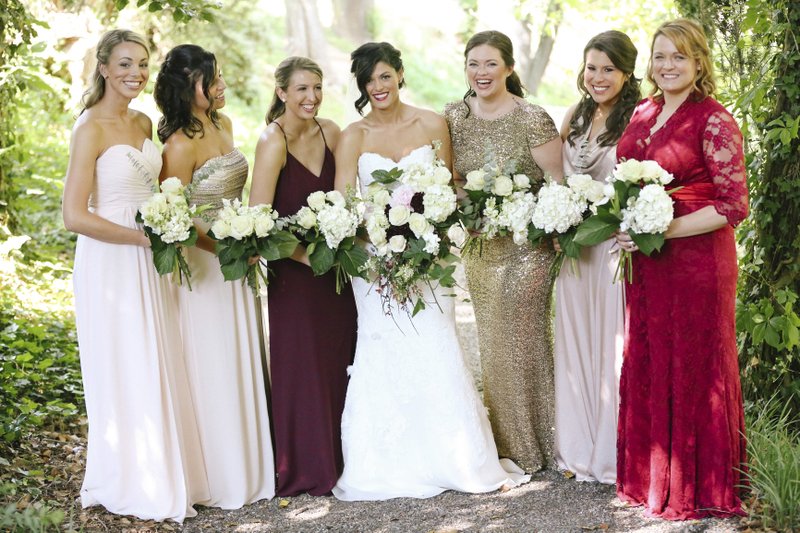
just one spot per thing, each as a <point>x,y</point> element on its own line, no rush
<point>589,304</point>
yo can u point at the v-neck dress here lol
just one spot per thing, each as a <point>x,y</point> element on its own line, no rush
<point>312,338</point>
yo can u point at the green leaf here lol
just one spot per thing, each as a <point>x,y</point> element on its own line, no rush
<point>321,259</point>
<point>386,177</point>
<point>165,259</point>
<point>595,230</point>
<point>418,306</point>
<point>353,260</point>
<point>648,242</point>
<point>568,245</point>
<point>235,270</point>
<point>153,7</point>
<point>278,246</point>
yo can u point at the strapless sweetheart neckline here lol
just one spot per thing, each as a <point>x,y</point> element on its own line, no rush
<point>408,155</point>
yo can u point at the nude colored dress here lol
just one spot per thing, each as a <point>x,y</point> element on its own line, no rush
<point>589,336</point>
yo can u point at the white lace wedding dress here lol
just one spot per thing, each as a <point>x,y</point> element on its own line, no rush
<point>413,424</point>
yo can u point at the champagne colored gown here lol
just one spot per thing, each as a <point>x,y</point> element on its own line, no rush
<point>589,333</point>
<point>225,356</point>
<point>143,457</point>
<point>511,291</point>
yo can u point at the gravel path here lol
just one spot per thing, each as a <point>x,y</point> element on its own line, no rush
<point>550,503</point>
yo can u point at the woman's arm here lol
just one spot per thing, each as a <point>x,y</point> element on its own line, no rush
<point>269,161</point>
<point>548,157</point>
<point>347,152</point>
<point>85,147</point>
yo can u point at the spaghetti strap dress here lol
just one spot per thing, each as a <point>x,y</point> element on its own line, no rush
<point>312,338</point>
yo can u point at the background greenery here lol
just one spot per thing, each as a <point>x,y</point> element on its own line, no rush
<point>43,70</point>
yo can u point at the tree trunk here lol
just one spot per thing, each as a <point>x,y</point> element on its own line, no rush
<point>532,66</point>
<point>304,32</point>
<point>353,20</point>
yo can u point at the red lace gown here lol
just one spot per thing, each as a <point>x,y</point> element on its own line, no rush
<point>312,340</point>
<point>681,425</point>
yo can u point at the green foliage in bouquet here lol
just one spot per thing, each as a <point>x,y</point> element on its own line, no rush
<point>234,255</point>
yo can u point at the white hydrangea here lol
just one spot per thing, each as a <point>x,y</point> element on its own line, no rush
<point>650,212</point>
<point>557,209</point>
<point>432,241</point>
<point>336,223</point>
<point>440,202</point>
<point>167,213</point>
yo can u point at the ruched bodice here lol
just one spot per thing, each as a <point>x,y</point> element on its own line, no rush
<point>220,178</point>
<point>126,176</point>
<point>586,156</point>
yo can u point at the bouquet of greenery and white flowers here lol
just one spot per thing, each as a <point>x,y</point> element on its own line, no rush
<point>636,202</point>
<point>327,227</point>
<point>559,210</point>
<point>247,236</point>
<point>498,202</point>
<point>411,220</point>
<point>168,223</point>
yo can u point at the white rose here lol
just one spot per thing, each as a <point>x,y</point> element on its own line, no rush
<point>418,224</point>
<point>503,186</point>
<point>457,235</point>
<point>521,181</point>
<point>263,225</point>
<point>608,190</point>
<point>381,197</point>
<point>629,171</point>
<point>596,193</point>
<point>316,200</point>
<point>441,176</point>
<point>476,180</point>
<point>306,217</point>
<point>377,234</point>
<point>579,182</point>
<point>221,229</point>
<point>172,186</point>
<point>241,226</point>
<point>398,215</point>
<point>336,198</point>
<point>397,243</point>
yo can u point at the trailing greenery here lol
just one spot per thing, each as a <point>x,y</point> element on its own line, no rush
<point>773,450</point>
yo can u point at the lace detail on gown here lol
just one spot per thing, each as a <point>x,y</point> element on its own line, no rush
<point>413,424</point>
<point>722,147</point>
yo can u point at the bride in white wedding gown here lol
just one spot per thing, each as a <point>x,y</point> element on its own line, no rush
<point>413,423</point>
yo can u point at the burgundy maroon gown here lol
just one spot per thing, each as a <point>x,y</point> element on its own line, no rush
<point>312,335</point>
<point>681,425</point>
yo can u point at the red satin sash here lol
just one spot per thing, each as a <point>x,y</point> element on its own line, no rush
<point>695,192</point>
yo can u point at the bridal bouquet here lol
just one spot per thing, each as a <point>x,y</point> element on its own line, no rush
<point>247,236</point>
<point>327,227</point>
<point>498,202</point>
<point>411,220</point>
<point>637,203</point>
<point>168,223</point>
<point>560,209</point>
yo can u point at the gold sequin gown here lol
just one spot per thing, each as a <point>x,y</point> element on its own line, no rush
<point>511,287</point>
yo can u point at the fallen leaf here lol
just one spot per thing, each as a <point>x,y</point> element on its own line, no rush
<point>569,474</point>
<point>283,503</point>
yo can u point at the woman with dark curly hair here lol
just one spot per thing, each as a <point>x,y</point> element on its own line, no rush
<point>589,305</point>
<point>413,423</point>
<point>221,330</point>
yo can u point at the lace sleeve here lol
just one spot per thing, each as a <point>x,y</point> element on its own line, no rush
<point>722,151</point>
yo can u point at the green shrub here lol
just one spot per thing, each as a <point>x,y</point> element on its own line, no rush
<point>773,469</point>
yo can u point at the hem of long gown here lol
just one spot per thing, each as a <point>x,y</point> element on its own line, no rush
<point>87,500</point>
<point>669,513</point>
<point>584,476</point>
<point>237,505</point>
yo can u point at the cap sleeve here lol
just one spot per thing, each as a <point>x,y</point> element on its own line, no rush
<point>539,126</point>
<point>724,158</point>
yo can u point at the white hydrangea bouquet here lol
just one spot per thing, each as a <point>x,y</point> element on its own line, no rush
<point>498,202</point>
<point>558,212</point>
<point>412,221</point>
<point>246,232</point>
<point>327,226</point>
<point>638,203</point>
<point>168,223</point>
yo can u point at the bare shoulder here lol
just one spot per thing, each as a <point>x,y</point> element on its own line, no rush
<point>143,121</point>
<point>179,147</point>
<point>567,119</point>
<point>331,131</point>
<point>354,133</point>
<point>87,135</point>
<point>271,140</point>
<point>432,122</point>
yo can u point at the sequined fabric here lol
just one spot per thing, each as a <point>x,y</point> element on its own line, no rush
<point>511,290</point>
<point>219,178</point>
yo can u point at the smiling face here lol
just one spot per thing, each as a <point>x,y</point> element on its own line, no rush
<point>126,72</point>
<point>216,94</point>
<point>486,71</point>
<point>673,71</point>
<point>602,79</point>
<point>303,94</point>
<point>383,87</point>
